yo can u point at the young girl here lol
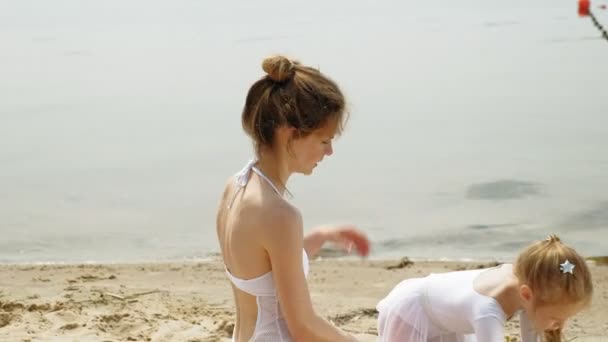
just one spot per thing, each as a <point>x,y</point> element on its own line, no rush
<point>292,115</point>
<point>548,283</point>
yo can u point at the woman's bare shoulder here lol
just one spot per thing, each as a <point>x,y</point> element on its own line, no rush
<point>274,218</point>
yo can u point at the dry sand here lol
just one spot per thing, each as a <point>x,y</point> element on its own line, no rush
<point>193,301</point>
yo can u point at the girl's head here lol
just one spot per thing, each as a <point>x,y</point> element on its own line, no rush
<point>293,113</point>
<point>554,284</point>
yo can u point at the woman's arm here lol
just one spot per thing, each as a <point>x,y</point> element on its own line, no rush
<point>283,240</point>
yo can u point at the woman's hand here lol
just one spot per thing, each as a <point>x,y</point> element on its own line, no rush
<point>347,237</point>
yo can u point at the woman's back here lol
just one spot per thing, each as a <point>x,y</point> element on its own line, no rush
<point>249,201</point>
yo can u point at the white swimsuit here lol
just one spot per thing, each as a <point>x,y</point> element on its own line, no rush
<point>270,325</point>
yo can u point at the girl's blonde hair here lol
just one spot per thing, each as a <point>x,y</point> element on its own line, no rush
<point>539,266</point>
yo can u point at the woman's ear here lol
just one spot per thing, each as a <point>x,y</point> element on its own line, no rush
<point>294,134</point>
<point>286,133</point>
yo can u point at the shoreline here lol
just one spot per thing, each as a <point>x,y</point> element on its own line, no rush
<point>331,256</point>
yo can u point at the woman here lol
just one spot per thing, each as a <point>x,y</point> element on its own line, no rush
<point>292,114</point>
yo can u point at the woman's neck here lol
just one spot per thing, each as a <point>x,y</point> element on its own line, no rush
<point>275,169</point>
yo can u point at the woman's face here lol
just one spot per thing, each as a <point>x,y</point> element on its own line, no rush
<point>307,152</point>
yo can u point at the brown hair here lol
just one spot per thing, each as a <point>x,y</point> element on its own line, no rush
<point>291,94</point>
<point>538,266</point>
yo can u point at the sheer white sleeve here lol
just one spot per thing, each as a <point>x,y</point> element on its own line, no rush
<point>489,329</point>
<point>528,332</point>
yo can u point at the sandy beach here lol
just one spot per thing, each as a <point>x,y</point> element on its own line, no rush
<point>192,301</point>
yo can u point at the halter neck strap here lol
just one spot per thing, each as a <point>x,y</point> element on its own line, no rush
<point>243,176</point>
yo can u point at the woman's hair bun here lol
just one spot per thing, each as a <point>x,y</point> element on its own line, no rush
<point>279,68</point>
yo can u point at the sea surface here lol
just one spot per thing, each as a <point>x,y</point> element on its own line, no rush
<point>477,126</point>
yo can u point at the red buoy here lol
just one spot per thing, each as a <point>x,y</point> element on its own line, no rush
<point>583,7</point>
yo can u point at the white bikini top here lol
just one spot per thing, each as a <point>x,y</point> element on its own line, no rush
<point>261,286</point>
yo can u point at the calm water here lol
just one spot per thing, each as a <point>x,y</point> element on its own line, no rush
<point>477,126</point>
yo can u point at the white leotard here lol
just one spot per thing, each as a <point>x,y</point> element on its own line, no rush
<point>444,307</point>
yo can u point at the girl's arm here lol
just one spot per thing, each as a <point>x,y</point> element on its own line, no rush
<point>490,329</point>
<point>528,332</point>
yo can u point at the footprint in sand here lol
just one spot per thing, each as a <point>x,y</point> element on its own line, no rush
<point>115,318</point>
<point>353,316</point>
<point>11,306</point>
<point>39,307</point>
<point>226,327</point>
<point>89,277</point>
<point>69,326</point>
<point>5,319</point>
<point>40,279</point>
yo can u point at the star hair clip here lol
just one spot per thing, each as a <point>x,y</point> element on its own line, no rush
<point>567,267</point>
